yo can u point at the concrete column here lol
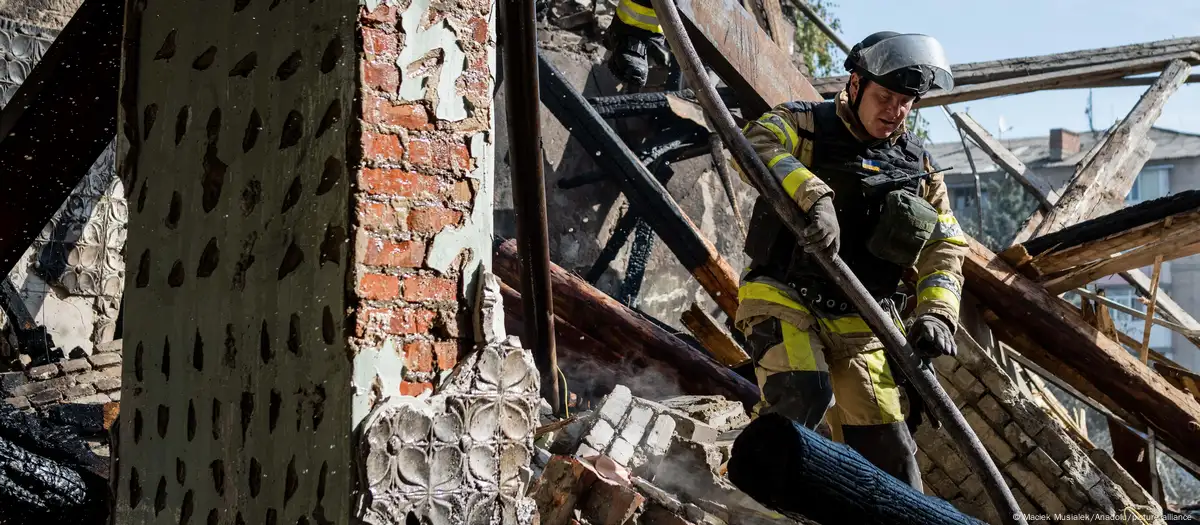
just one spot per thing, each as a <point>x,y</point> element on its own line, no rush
<point>310,202</point>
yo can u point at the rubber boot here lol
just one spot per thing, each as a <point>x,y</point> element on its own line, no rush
<point>890,447</point>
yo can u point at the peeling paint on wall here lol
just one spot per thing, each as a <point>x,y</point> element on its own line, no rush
<point>476,233</point>
<point>419,43</point>
<point>383,365</point>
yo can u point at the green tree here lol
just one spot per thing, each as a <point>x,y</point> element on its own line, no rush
<point>820,55</point>
<point>1006,205</point>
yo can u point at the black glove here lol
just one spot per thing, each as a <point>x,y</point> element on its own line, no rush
<point>822,233</point>
<point>632,50</point>
<point>930,337</point>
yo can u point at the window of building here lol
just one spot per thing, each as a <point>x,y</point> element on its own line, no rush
<point>1153,182</point>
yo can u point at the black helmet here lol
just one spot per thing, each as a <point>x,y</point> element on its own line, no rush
<point>911,64</point>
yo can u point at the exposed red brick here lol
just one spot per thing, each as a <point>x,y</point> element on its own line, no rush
<point>409,388</point>
<point>429,288</point>
<point>372,318</point>
<point>446,354</point>
<point>381,74</point>
<point>462,156</point>
<point>479,29</point>
<point>380,43</point>
<point>377,216</point>
<point>382,148</point>
<point>432,219</point>
<point>383,15</point>
<point>398,183</point>
<point>420,151</point>
<point>418,356</point>
<point>403,254</point>
<point>407,322</point>
<point>408,116</point>
<point>379,287</point>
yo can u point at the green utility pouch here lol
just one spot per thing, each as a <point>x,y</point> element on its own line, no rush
<point>906,222</point>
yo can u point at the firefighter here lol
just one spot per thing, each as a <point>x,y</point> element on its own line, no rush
<point>636,39</point>
<point>812,349</point>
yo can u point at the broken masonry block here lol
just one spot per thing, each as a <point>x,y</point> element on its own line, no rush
<point>43,372</point>
<point>714,411</point>
<point>600,435</point>
<point>615,404</point>
<point>610,503</point>
<point>621,451</point>
<point>635,426</point>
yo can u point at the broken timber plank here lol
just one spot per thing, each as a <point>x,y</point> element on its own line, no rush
<point>628,333</point>
<point>1072,251</point>
<point>1103,183</point>
<point>1173,246</point>
<point>1036,184</point>
<point>650,199</point>
<point>714,338</point>
<point>730,41</point>
<point>993,70</point>
<point>1136,81</point>
<point>1071,78</point>
<point>1166,306</point>
<point>1142,215</point>
<point>58,122</point>
<point>1028,310</point>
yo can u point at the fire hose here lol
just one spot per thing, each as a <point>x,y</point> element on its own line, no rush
<point>894,342</point>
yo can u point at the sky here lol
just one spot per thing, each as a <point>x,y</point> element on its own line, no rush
<point>975,31</point>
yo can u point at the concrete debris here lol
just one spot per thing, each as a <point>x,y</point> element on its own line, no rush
<point>668,454</point>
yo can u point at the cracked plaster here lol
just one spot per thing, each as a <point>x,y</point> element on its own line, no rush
<point>476,233</point>
<point>419,43</point>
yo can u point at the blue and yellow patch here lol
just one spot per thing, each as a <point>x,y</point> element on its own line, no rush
<point>872,165</point>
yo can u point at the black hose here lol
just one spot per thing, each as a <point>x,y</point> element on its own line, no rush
<point>894,342</point>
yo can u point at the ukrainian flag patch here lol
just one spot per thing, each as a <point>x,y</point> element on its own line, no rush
<point>872,165</point>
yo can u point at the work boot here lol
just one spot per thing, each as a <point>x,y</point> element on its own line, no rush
<point>890,447</point>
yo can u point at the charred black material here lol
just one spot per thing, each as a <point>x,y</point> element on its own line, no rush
<point>648,104</point>
<point>1115,222</point>
<point>47,474</point>
<point>797,472</point>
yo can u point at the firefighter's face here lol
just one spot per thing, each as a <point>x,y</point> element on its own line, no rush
<point>882,110</point>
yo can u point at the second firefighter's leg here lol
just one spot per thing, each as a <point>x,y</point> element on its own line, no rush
<point>792,373</point>
<point>869,408</point>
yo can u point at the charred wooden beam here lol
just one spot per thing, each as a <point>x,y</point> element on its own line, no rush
<point>1135,218</point>
<point>647,195</point>
<point>714,338</point>
<point>1101,185</point>
<point>648,104</point>
<point>993,70</point>
<point>1029,311</point>
<point>1071,78</point>
<point>58,122</point>
<point>730,41</point>
<point>1174,246</point>
<point>628,334</point>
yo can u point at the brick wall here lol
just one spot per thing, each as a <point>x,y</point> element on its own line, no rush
<point>1047,470</point>
<point>415,180</point>
<point>92,379</point>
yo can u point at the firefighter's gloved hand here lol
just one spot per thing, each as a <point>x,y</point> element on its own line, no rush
<point>823,233</point>
<point>633,49</point>
<point>931,337</point>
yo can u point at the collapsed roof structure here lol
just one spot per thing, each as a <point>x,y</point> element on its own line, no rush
<point>1014,312</point>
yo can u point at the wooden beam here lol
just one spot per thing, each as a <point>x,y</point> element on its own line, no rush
<point>993,70</point>
<point>714,338</point>
<point>1105,302</point>
<point>1036,184</point>
<point>1144,351</point>
<point>1132,452</point>
<point>729,40</point>
<point>650,199</point>
<point>1029,311</point>
<point>1062,259</point>
<point>1166,306</point>
<point>1173,247</point>
<point>1135,81</point>
<point>626,332</point>
<point>1101,183</point>
<point>1145,214</point>
<point>58,122</point>
<point>1071,78</point>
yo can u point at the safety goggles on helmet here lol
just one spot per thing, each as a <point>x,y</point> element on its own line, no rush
<point>911,64</point>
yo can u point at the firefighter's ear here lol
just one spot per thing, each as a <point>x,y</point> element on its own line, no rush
<point>853,85</point>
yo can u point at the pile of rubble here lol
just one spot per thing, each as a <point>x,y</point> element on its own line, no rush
<point>89,379</point>
<point>637,461</point>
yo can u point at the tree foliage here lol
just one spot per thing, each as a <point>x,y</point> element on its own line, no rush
<point>820,55</point>
<point>1006,205</point>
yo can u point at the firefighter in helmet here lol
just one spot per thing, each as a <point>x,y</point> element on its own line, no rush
<point>872,196</point>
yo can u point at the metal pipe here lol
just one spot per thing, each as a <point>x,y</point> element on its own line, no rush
<point>813,15</point>
<point>894,341</point>
<point>529,190</point>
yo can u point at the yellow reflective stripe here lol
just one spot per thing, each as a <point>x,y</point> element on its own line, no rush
<point>795,179</point>
<point>940,279</point>
<point>935,293</point>
<point>887,396</point>
<point>766,292</point>
<point>775,160</point>
<point>799,348</point>
<point>781,129</point>
<point>638,16</point>
<point>948,230</point>
<point>851,324</point>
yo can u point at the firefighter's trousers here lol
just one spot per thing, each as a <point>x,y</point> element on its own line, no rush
<point>808,364</point>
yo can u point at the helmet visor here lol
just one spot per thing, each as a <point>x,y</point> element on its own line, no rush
<point>906,51</point>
